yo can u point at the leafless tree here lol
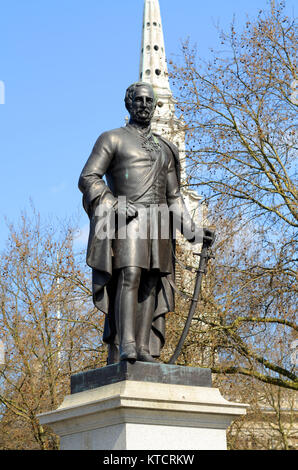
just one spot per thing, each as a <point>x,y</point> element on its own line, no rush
<point>240,112</point>
<point>48,325</point>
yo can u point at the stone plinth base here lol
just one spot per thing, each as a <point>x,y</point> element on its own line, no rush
<point>143,415</point>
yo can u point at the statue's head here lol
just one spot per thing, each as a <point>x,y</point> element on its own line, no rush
<point>140,101</point>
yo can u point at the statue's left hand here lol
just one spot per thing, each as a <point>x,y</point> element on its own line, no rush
<point>208,236</point>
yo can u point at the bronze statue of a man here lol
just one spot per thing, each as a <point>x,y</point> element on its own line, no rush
<point>131,274</point>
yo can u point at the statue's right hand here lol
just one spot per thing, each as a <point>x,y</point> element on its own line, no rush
<point>131,210</point>
<point>127,210</point>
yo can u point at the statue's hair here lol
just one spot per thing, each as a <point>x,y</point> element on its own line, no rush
<point>131,91</point>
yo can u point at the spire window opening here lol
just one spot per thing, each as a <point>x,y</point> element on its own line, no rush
<point>148,48</point>
<point>148,72</point>
<point>157,72</point>
<point>156,48</point>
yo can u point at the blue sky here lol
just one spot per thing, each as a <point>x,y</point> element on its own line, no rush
<point>65,65</point>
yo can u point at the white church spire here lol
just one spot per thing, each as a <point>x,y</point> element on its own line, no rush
<point>153,67</point>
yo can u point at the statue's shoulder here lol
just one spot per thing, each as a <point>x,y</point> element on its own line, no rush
<point>110,137</point>
<point>119,131</point>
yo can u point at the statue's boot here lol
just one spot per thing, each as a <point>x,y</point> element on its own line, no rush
<point>125,309</point>
<point>144,328</point>
<point>127,324</point>
<point>144,356</point>
<point>128,352</point>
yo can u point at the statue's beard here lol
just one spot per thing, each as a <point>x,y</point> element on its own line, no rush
<point>142,117</point>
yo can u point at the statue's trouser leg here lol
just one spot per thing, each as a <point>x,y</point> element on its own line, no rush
<point>125,310</point>
<point>145,317</point>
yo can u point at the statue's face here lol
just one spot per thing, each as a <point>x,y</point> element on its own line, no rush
<point>143,105</point>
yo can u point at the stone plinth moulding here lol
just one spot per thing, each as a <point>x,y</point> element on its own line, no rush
<point>158,411</point>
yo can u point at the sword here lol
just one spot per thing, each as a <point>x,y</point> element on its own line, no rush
<point>205,256</point>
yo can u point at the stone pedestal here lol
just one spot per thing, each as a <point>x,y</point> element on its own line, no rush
<point>143,406</point>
